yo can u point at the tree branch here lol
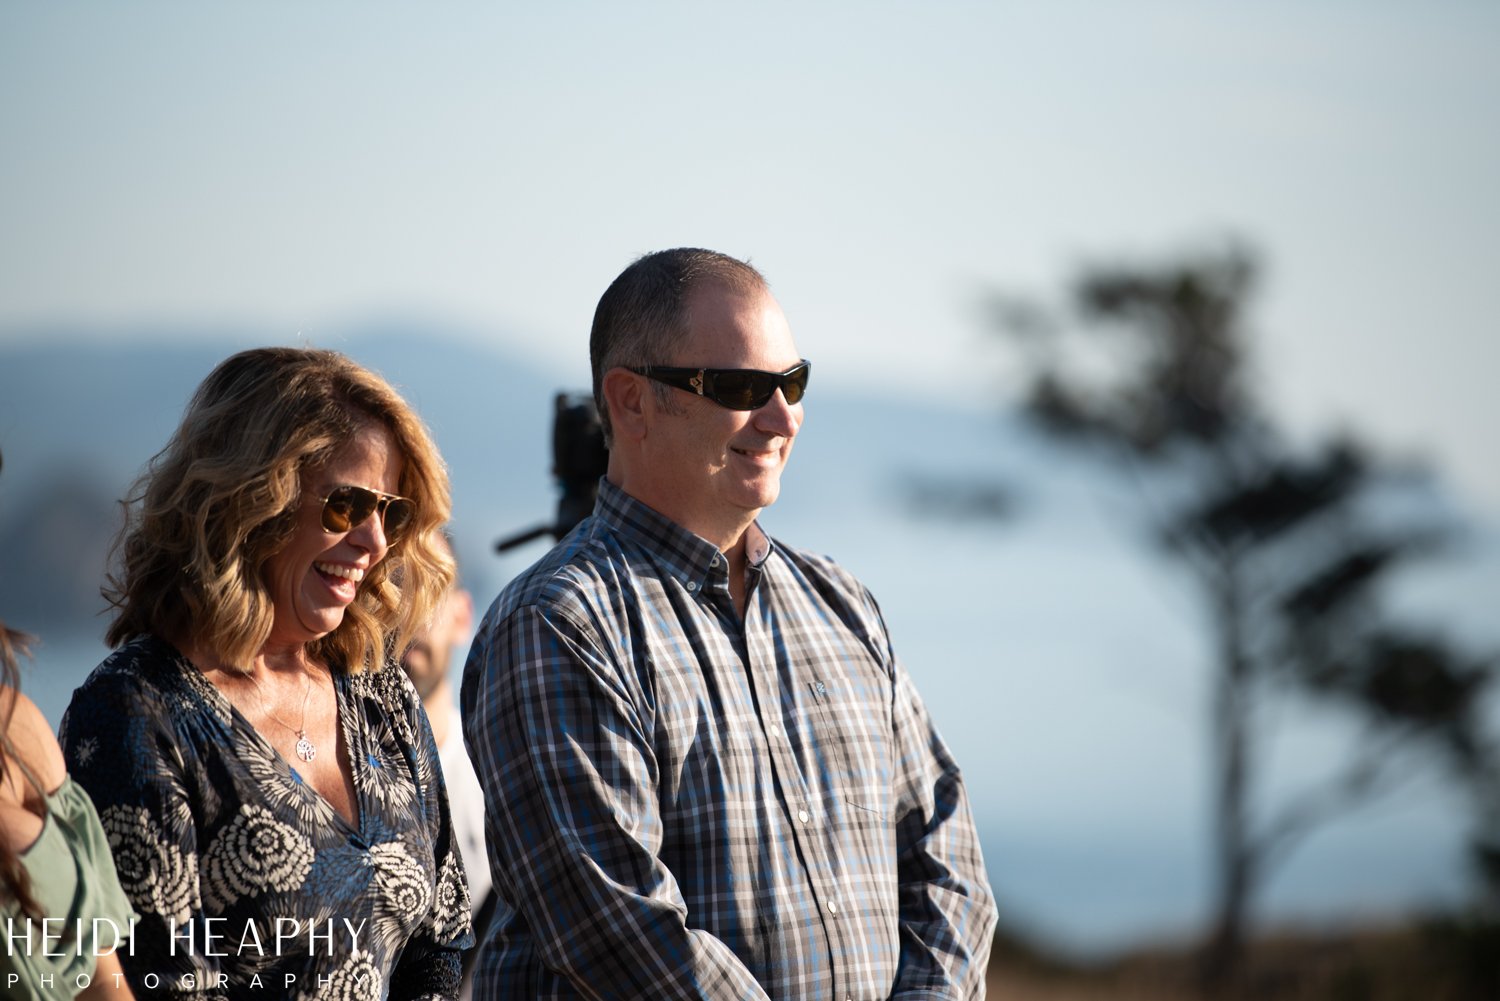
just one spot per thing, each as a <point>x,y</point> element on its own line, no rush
<point>1369,777</point>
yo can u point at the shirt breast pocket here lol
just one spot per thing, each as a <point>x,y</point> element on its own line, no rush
<point>851,721</point>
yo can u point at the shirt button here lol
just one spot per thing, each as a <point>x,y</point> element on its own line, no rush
<point>692,585</point>
<point>714,562</point>
<point>832,907</point>
<point>803,816</point>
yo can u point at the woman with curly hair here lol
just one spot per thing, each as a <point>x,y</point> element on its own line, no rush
<point>264,772</point>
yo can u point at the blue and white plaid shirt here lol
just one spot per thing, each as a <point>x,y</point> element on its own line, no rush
<point>684,805</point>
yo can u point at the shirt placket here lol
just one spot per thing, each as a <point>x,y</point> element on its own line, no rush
<point>805,817</point>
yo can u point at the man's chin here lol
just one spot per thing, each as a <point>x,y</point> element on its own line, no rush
<point>762,494</point>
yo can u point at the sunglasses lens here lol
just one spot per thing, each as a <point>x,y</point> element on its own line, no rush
<point>398,515</point>
<point>340,510</point>
<point>743,389</point>
<point>794,384</point>
<point>347,507</point>
<point>747,389</point>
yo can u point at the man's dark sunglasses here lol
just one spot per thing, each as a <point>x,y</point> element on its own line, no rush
<point>735,388</point>
<point>345,508</point>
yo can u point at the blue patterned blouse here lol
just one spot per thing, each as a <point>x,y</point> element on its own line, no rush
<point>248,883</point>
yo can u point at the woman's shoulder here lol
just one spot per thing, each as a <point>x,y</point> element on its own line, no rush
<point>31,741</point>
<point>144,664</point>
<point>144,679</point>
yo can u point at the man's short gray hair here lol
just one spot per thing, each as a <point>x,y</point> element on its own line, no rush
<point>643,314</point>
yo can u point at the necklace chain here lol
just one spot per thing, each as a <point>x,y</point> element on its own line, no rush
<point>306,749</point>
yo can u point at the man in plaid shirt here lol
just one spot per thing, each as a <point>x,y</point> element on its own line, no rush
<point>706,773</point>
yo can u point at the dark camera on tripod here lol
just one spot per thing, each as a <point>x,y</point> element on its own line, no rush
<point>579,458</point>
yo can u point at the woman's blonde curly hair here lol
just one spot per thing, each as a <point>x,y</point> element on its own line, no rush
<point>222,498</point>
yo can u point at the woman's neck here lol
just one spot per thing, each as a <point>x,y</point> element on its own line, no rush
<point>271,659</point>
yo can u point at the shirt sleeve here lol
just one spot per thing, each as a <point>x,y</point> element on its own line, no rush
<point>947,910</point>
<point>72,879</point>
<point>120,746</point>
<point>430,965</point>
<point>571,787</point>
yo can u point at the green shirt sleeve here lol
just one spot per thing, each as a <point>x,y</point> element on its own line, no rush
<point>73,879</point>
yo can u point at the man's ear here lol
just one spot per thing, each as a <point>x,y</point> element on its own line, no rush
<point>625,395</point>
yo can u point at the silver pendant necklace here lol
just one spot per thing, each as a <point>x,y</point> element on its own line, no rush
<point>306,749</point>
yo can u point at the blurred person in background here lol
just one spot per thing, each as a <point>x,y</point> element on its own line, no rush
<point>265,774</point>
<point>707,773</point>
<point>427,662</point>
<point>55,863</point>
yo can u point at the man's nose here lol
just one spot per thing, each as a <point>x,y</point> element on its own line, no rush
<point>778,416</point>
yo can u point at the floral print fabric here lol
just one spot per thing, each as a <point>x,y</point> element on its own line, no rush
<point>248,883</point>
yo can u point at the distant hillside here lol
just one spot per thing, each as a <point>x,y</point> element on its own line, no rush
<point>52,549</point>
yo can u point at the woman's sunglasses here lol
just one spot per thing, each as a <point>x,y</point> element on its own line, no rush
<point>735,388</point>
<point>345,508</point>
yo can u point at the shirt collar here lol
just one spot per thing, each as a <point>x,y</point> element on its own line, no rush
<point>693,560</point>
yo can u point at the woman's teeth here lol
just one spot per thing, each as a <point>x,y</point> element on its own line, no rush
<point>348,573</point>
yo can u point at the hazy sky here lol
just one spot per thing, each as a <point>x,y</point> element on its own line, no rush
<point>296,167</point>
